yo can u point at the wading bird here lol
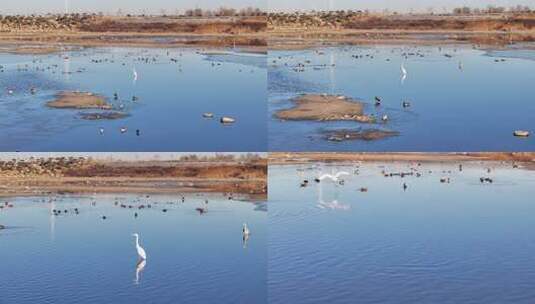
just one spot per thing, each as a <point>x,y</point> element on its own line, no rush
<point>140,251</point>
<point>245,230</point>
<point>135,74</point>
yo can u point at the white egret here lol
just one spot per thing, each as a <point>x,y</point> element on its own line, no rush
<point>135,74</point>
<point>246,231</point>
<point>334,178</point>
<point>403,73</point>
<point>140,251</point>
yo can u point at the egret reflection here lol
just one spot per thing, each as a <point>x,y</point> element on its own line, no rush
<point>331,205</point>
<point>245,239</point>
<point>140,266</point>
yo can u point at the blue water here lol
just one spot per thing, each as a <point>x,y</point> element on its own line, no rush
<point>173,95</point>
<point>84,259</point>
<point>456,242</point>
<point>473,108</point>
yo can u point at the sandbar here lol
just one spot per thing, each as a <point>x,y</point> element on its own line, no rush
<point>325,108</point>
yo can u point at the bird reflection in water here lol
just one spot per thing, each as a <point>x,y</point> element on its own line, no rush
<point>140,266</point>
<point>245,240</point>
<point>332,205</point>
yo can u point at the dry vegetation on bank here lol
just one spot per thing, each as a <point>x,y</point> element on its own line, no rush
<point>490,26</point>
<point>245,175</point>
<point>225,27</point>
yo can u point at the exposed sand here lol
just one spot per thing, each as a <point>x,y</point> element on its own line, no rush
<point>528,158</point>
<point>79,100</point>
<point>325,108</point>
<point>360,134</point>
<point>31,50</point>
<point>56,176</point>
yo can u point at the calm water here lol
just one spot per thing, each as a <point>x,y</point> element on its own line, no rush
<point>465,101</point>
<point>84,259</point>
<point>173,95</point>
<point>456,242</point>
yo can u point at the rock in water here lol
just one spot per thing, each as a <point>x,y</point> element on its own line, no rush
<point>227,120</point>
<point>521,133</point>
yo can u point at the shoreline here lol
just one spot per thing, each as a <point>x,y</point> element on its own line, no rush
<point>83,186</point>
<point>282,158</point>
<point>46,176</point>
<point>303,39</point>
<point>35,43</point>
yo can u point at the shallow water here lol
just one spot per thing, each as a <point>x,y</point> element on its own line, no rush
<point>456,242</point>
<point>172,98</point>
<point>84,259</point>
<point>466,102</point>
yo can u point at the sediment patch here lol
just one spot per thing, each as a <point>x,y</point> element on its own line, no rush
<point>325,108</point>
<point>79,100</point>
<point>359,134</point>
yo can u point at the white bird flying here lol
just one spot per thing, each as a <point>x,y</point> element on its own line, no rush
<point>140,251</point>
<point>334,178</point>
<point>403,72</point>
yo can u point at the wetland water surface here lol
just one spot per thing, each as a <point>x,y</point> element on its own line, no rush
<point>461,99</point>
<point>82,258</point>
<point>174,87</point>
<point>457,241</point>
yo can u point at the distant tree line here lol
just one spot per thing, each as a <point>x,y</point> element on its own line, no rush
<point>224,12</point>
<point>491,9</point>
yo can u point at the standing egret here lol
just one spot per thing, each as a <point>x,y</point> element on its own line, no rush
<point>135,74</point>
<point>140,251</point>
<point>245,231</point>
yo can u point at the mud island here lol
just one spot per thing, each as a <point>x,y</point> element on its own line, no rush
<point>79,100</point>
<point>103,116</point>
<point>325,108</point>
<point>358,134</point>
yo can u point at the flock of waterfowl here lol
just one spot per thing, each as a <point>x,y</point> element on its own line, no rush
<point>120,105</point>
<point>410,169</point>
<point>143,202</point>
<point>301,65</point>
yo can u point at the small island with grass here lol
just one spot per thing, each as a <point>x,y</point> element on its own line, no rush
<point>79,100</point>
<point>325,108</point>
